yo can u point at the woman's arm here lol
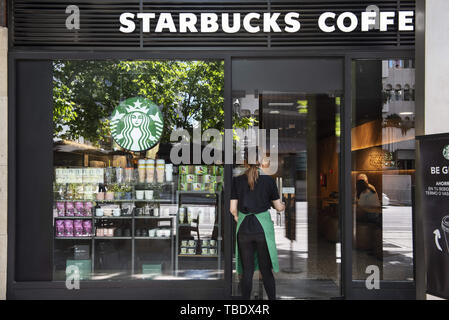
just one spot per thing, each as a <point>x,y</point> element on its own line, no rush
<point>234,209</point>
<point>278,205</point>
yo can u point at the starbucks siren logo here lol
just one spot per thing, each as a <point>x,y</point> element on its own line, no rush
<point>446,152</point>
<point>136,124</point>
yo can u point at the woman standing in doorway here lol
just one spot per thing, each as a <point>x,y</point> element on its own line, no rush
<point>252,194</point>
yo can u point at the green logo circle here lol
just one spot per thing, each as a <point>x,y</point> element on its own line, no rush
<point>446,152</point>
<point>136,124</point>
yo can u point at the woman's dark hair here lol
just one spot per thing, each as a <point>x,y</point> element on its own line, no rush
<point>252,174</point>
<point>361,186</point>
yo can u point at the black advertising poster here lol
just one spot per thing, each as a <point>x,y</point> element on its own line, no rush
<point>434,152</point>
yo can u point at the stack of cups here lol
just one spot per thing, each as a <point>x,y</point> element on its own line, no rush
<point>150,170</point>
<point>160,170</point>
<point>110,173</point>
<point>141,167</point>
<point>182,213</point>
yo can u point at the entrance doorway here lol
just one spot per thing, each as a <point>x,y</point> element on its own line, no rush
<point>297,102</point>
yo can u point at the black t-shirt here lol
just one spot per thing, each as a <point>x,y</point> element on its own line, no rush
<point>253,201</point>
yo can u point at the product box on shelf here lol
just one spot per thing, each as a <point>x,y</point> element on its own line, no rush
<point>73,228</point>
<point>79,209</point>
<point>200,214</point>
<point>119,161</point>
<point>68,228</point>
<point>59,226</point>
<point>208,250</point>
<point>69,209</point>
<point>154,171</point>
<point>187,251</point>
<point>127,209</point>
<point>60,208</point>
<point>73,209</point>
<point>74,191</point>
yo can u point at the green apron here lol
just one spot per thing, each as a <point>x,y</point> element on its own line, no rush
<point>268,228</point>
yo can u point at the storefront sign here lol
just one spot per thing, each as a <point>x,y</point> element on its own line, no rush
<point>136,124</point>
<point>435,197</point>
<point>255,22</point>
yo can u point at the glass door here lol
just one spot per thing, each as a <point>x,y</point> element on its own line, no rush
<point>290,110</point>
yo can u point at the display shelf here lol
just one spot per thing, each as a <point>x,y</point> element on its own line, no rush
<point>184,225</point>
<point>199,192</point>
<point>120,200</point>
<point>198,255</point>
<point>112,217</point>
<point>151,217</point>
<point>209,246</point>
<point>114,200</point>
<point>217,203</point>
<point>153,238</point>
<point>113,238</point>
<point>154,200</point>
<point>74,218</point>
<point>190,225</point>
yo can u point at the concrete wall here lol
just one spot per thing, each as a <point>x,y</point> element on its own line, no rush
<point>3,158</point>
<point>436,66</point>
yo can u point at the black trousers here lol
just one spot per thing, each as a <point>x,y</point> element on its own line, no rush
<point>248,244</point>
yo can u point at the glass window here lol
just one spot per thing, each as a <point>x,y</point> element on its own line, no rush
<point>135,197</point>
<point>383,169</point>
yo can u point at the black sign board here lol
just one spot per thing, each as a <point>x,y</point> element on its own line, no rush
<point>434,153</point>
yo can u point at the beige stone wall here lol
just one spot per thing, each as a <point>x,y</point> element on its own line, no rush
<point>3,159</point>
